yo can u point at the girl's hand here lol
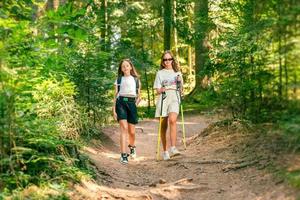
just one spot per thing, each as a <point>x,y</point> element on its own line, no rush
<point>162,89</point>
<point>138,100</point>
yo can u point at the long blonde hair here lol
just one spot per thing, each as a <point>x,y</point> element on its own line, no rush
<point>175,65</point>
<point>133,71</point>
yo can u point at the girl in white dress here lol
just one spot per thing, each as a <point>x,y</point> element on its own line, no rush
<point>166,85</point>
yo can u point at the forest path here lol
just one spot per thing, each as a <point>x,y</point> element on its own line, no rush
<point>207,169</point>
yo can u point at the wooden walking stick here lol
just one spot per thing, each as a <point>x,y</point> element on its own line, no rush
<point>182,120</point>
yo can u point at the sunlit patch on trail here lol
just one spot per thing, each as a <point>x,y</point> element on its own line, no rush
<point>110,155</point>
<point>90,150</point>
<point>139,159</point>
<point>179,122</point>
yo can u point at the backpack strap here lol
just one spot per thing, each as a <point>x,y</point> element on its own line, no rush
<point>119,82</point>
<point>137,84</point>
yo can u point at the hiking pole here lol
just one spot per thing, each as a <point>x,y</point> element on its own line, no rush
<point>178,83</point>
<point>183,129</point>
<point>163,96</point>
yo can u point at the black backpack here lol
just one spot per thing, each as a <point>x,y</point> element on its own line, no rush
<point>137,83</point>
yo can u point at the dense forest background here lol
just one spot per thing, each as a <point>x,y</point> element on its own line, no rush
<point>59,59</point>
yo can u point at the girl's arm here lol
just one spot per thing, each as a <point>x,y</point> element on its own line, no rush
<point>158,85</point>
<point>114,103</point>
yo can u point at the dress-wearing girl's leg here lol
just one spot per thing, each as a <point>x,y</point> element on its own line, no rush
<point>173,127</point>
<point>164,127</point>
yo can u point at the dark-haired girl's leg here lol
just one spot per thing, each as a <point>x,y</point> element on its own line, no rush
<point>131,131</point>
<point>124,131</point>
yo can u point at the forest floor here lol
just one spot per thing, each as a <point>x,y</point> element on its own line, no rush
<point>217,164</point>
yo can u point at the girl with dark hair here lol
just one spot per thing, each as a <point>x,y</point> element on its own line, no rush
<point>127,97</point>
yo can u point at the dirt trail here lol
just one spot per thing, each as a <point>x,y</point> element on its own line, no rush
<point>207,169</point>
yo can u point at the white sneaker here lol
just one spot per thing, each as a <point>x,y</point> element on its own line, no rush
<point>166,155</point>
<point>124,158</point>
<point>132,151</point>
<point>174,151</point>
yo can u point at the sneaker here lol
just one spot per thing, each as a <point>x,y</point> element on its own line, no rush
<point>166,155</point>
<point>174,151</point>
<point>124,158</point>
<point>132,151</point>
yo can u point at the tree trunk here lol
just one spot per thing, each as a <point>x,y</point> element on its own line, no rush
<point>52,4</point>
<point>280,66</point>
<point>175,31</point>
<point>145,69</point>
<point>190,60</point>
<point>167,24</point>
<point>285,68</point>
<point>153,91</point>
<point>148,92</point>
<point>279,32</point>
<point>62,2</point>
<point>295,86</point>
<point>201,50</point>
<point>103,24</point>
<point>2,115</point>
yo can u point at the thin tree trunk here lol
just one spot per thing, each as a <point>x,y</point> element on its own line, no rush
<point>190,60</point>
<point>167,24</point>
<point>295,85</point>
<point>285,68</point>
<point>148,92</point>
<point>52,4</point>
<point>280,67</point>
<point>175,31</point>
<point>62,2</point>
<point>201,28</point>
<point>279,51</point>
<point>2,115</point>
<point>49,5</point>
<point>145,70</point>
<point>103,23</point>
<point>153,91</point>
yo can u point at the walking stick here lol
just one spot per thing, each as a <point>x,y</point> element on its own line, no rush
<point>182,119</point>
<point>181,109</point>
<point>163,96</point>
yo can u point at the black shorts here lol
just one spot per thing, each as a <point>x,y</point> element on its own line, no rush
<point>126,109</point>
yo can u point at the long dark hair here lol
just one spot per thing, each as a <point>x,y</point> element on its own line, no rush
<point>133,71</point>
<point>175,65</point>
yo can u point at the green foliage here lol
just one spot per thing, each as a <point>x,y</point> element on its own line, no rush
<point>289,124</point>
<point>294,178</point>
<point>145,112</point>
<point>248,73</point>
<point>55,101</point>
<point>206,100</point>
<point>40,119</point>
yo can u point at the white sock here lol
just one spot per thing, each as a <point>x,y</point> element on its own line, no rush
<point>173,148</point>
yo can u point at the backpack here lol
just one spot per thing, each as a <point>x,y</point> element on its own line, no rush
<point>137,83</point>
